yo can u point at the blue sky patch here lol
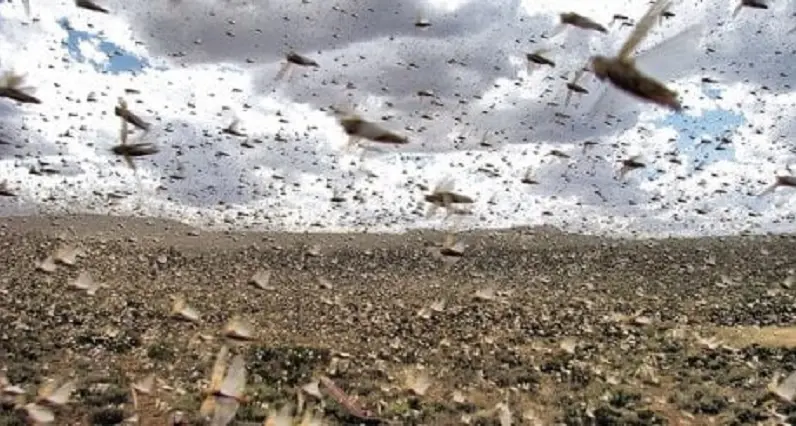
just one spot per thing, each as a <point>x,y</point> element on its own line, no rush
<point>119,60</point>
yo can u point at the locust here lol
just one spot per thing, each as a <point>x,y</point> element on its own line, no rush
<point>226,392</point>
<point>49,396</point>
<point>443,196</point>
<point>233,129</point>
<point>573,87</point>
<point>752,4</point>
<point>5,190</point>
<point>784,180</point>
<point>131,150</point>
<point>580,21</point>
<point>90,5</point>
<point>11,87</point>
<point>630,164</point>
<point>346,401</point>
<point>358,128</point>
<point>537,58</point>
<point>421,21</point>
<point>294,59</point>
<point>621,70</point>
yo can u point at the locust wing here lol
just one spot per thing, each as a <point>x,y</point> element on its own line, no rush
<point>643,27</point>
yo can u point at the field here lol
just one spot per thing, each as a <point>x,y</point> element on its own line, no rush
<point>563,329</point>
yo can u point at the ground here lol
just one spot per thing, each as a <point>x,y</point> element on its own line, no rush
<point>566,329</point>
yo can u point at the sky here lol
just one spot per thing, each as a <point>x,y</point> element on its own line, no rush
<point>196,65</point>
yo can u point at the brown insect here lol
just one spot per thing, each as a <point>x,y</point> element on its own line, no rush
<point>573,87</point>
<point>294,59</point>
<point>358,128</point>
<point>421,21</point>
<point>5,190</point>
<point>11,87</point>
<point>752,4</point>
<point>233,129</point>
<point>90,5</point>
<point>131,150</point>
<point>226,392</point>
<point>347,402</point>
<point>630,164</point>
<point>444,197</point>
<point>49,396</point>
<point>580,21</point>
<point>784,180</point>
<point>537,58</point>
<point>622,72</point>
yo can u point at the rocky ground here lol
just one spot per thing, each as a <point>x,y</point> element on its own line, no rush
<point>563,329</point>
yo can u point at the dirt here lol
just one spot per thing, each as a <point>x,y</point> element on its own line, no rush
<point>566,329</point>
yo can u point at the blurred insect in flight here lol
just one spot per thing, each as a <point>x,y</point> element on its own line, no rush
<point>537,58</point>
<point>90,5</point>
<point>443,196</point>
<point>131,150</point>
<point>293,59</point>
<point>226,392</point>
<point>358,128</point>
<point>622,72</point>
<point>579,21</point>
<point>630,164</point>
<point>11,88</point>
<point>752,4</point>
<point>784,180</point>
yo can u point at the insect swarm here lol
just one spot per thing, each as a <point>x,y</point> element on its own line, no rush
<point>621,70</point>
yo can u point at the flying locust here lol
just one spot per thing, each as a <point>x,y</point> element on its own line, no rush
<point>131,150</point>
<point>358,128</point>
<point>537,58</point>
<point>293,59</point>
<point>752,4</point>
<point>444,197</point>
<point>11,88</point>
<point>579,21</point>
<point>90,5</point>
<point>226,392</point>
<point>621,70</point>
